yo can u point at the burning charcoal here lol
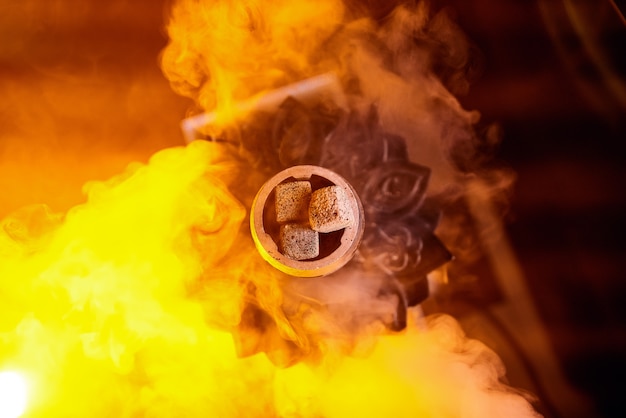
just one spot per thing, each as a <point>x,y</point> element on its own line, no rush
<point>299,242</point>
<point>292,201</point>
<point>329,209</point>
<point>395,189</point>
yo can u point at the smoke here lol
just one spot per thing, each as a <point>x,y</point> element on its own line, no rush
<point>408,63</point>
<point>124,305</point>
<point>149,299</point>
<point>274,43</point>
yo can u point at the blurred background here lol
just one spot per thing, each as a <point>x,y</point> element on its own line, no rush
<point>82,96</point>
<point>555,78</point>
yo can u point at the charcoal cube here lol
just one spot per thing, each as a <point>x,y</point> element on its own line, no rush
<point>299,242</point>
<point>292,201</point>
<point>330,210</point>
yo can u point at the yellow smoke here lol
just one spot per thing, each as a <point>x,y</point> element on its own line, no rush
<point>126,304</point>
<point>224,51</point>
<point>123,308</point>
<point>104,294</point>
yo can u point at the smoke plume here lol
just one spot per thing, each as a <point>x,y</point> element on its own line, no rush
<point>150,299</point>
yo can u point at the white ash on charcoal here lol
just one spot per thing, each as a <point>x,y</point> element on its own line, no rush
<point>299,242</point>
<point>292,201</point>
<point>329,210</point>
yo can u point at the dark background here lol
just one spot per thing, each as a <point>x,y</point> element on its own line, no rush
<point>555,79</point>
<point>82,96</point>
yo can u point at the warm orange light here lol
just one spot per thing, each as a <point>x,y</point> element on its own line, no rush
<point>127,304</point>
<point>13,394</point>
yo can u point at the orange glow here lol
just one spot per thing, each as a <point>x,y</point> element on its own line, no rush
<point>101,300</point>
<point>126,305</point>
<point>226,54</point>
<point>107,296</point>
<point>229,51</point>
